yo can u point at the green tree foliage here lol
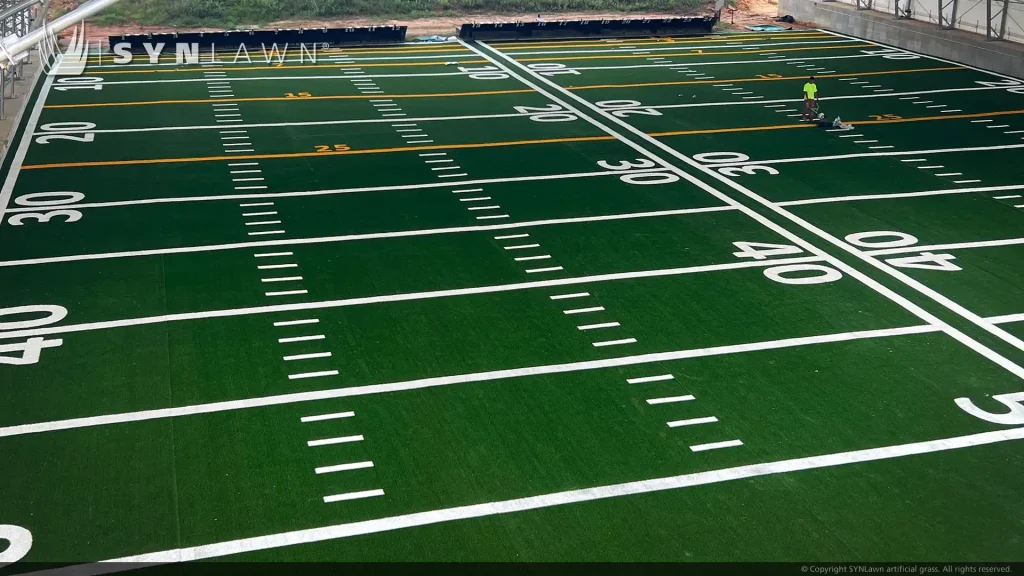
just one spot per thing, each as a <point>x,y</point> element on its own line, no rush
<point>230,13</point>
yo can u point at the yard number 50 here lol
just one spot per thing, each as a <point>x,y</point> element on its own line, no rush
<point>19,542</point>
<point>1014,401</point>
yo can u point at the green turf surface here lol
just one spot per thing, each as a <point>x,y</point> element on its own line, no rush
<point>523,302</point>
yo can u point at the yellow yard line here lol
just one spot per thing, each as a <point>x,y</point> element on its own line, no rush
<point>727,130</point>
<point>943,117</point>
<point>735,80</point>
<point>285,66</point>
<point>287,99</point>
<point>521,46</point>
<point>499,144</point>
<point>550,58</point>
<point>664,40</point>
<point>311,154</point>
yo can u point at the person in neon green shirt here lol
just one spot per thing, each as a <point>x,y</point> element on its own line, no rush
<point>810,99</point>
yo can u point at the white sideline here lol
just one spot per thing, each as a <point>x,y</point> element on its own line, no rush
<point>387,524</point>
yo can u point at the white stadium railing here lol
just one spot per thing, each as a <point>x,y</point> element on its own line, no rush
<point>24,25</point>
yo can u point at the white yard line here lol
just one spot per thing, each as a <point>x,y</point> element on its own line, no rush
<point>328,192</point>
<point>942,192</point>
<point>352,391</point>
<point>297,124</point>
<point>675,48</point>
<point>108,83</point>
<point>402,297</point>
<point>949,246</point>
<point>721,63</point>
<point>357,237</point>
<point>873,155</point>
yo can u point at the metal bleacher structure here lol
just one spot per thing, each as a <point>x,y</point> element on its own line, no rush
<point>635,27</point>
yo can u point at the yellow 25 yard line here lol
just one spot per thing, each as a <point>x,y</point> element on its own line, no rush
<point>497,144</point>
<point>556,57</point>
<point>290,67</point>
<point>284,99</point>
<point>737,80</point>
<point>520,46</point>
<point>945,117</point>
<point>311,154</point>
<point>854,122</point>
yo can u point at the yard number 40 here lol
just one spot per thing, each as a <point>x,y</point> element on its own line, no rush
<point>31,348</point>
<point>882,242</point>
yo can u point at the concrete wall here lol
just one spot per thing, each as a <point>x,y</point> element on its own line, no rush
<point>971,16</point>
<point>957,45</point>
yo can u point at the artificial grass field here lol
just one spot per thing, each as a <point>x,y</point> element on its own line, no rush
<point>573,300</point>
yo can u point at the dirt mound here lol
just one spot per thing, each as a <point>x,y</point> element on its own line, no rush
<point>746,12</point>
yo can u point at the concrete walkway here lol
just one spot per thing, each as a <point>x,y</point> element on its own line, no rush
<point>15,107</point>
